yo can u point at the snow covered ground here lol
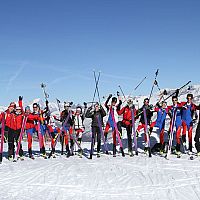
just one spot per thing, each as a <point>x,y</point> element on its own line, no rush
<point>138,177</point>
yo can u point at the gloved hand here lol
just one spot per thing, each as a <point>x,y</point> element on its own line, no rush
<point>118,94</point>
<point>177,92</point>
<point>158,104</point>
<point>46,102</point>
<point>151,107</point>
<point>85,105</point>
<point>20,98</point>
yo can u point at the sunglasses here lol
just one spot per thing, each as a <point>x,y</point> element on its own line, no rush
<point>175,100</point>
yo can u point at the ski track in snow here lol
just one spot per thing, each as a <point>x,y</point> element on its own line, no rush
<point>137,178</point>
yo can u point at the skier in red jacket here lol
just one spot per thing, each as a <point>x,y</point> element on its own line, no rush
<point>30,128</point>
<point>13,120</point>
<point>127,121</point>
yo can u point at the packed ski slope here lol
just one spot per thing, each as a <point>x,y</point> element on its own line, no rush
<point>124,178</point>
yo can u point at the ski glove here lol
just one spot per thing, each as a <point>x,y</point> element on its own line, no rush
<point>20,98</point>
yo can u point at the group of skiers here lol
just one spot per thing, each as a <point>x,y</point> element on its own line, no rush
<point>16,121</point>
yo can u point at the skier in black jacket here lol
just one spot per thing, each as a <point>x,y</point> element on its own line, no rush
<point>94,113</point>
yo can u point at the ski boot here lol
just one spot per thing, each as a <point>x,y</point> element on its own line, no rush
<point>98,154</point>
<point>130,153</point>
<point>114,150</point>
<point>10,158</point>
<point>20,158</point>
<point>80,153</point>
<point>178,153</point>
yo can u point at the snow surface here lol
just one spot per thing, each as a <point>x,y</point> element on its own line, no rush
<point>139,177</point>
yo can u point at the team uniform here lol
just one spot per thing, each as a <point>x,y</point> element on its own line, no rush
<point>126,122</point>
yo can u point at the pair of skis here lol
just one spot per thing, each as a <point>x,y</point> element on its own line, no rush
<point>21,136</point>
<point>96,79</point>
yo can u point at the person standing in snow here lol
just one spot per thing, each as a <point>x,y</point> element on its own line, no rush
<point>67,130</point>
<point>94,113</point>
<point>40,127</point>
<point>79,128</point>
<point>178,123</point>
<point>30,128</point>
<point>13,119</point>
<point>53,132</point>
<point>149,114</point>
<point>197,136</point>
<point>126,111</point>
<point>110,122</point>
<point>188,115</point>
<point>162,112</point>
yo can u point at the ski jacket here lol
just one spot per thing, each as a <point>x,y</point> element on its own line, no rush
<point>127,115</point>
<point>108,107</point>
<point>149,114</point>
<point>161,116</point>
<point>78,121</point>
<point>64,116</point>
<point>187,112</point>
<point>30,123</point>
<point>94,115</point>
<point>18,121</point>
<point>178,108</point>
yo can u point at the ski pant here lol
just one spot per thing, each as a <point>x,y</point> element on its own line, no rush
<point>178,138</point>
<point>106,130</point>
<point>188,128</point>
<point>79,134</point>
<point>30,133</point>
<point>53,133</point>
<point>65,137</point>
<point>41,143</point>
<point>139,128</point>
<point>13,136</point>
<point>197,138</point>
<point>120,124</point>
<point>97,133</point>
<point>162,131</point>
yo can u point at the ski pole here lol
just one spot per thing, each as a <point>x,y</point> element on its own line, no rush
<point>96,82</point>
<point>96,85</point>
<point>122,93</point>
<point>45,94</point>
<point>156,74</point>
<point>58,103</point>
<point>177,90</point>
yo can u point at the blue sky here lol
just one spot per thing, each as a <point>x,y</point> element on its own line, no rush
<point>61,42</point>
